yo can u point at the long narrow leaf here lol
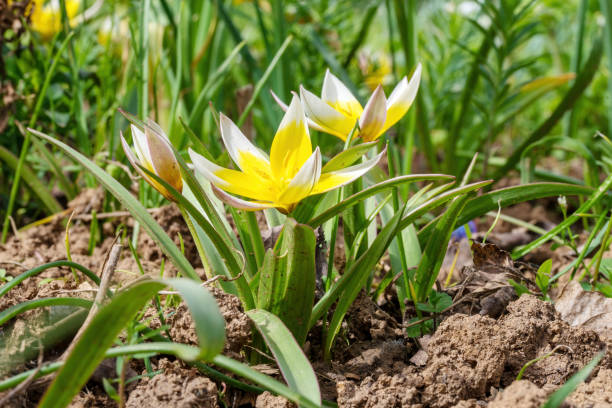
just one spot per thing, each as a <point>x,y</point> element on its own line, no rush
<point>505,197</point>
<point>291,360</point>
<point>22,307</point>
<point>41,268</point>
<point>370,191</point>
<point>37,187</point>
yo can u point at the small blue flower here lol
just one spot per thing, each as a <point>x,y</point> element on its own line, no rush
<point>460,232</point>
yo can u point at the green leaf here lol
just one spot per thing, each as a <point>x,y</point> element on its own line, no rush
<point>225,250</point>
<point>262,81</point>
<point>433,253</point>
<point>437,302</point>
<point>112,318</point>
<point>287,281</point>
<point>352,281</point>
<point>557,397</point>
<point>41,268</point>
<point>505,197</point>
<point>437,201</point>
<point>9,313</point>
<point>519,288</point>
<point>583,209</point>
<point>178,350</point>
<point>131,204</point>
<point>543,275</point>
<point>291,360</point>
<point>347,157</point>
<point>370,191</point>
<point>38,188</point>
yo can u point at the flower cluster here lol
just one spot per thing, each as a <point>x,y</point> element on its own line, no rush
<point>293,170</point>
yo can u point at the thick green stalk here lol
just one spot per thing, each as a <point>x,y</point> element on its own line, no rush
<point>26,141</point>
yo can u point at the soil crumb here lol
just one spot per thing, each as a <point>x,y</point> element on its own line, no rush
<point>237,325</point>
<point>176,387</point>
<point>523,394</point>
<point>267,400</point>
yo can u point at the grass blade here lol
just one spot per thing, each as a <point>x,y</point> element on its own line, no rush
<point>37,187</point>
<point>557,397</point>
<point>584,208</point>
<point>434,251</point>
<point>262,81</point>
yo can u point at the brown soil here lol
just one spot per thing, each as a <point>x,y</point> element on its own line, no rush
<point>471,360</point>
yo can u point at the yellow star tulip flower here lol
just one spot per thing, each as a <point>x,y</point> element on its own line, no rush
<point>291,173</point>
<point>154,152</point>
<point>337,111</point>
<point>47,18</point>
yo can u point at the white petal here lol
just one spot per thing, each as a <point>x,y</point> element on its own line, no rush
<point>406,91</point>
<point>238,202</point>
<point>141,146</point>
<point>238,145</point>
<point>326,118</point>
<point>207,168</point>
<point>278,100</point>
<point>134,161</point>
<point>294,114</point>
<point>339,96</point>
<point>304,181</point>
<point>373,118</point>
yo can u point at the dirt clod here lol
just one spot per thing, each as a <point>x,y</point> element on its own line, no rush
<point>177,387</point>
<point>237,324</point>
<point>523,393</point>
<point>267,400</point>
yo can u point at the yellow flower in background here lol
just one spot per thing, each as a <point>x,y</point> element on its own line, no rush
<point>337,111</point>
<point>281,180</point>
<point>154,152</point>
<point>376,69</point>
<point>46,17</point>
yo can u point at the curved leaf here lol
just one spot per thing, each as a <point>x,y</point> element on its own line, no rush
<point>505,197</point>
<point>291,360</point>
<point>370,191</point>
<point>347,157</point>
<point>39,269</point>
<point>9,313</point>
